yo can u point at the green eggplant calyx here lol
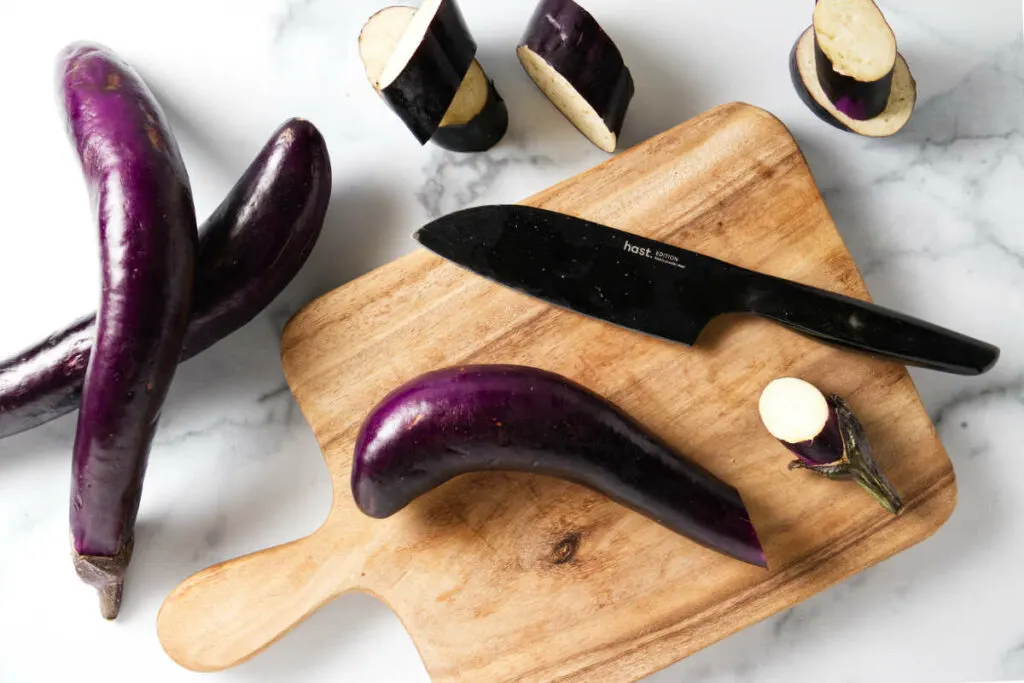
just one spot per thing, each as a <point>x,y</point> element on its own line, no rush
<point>858,462</point>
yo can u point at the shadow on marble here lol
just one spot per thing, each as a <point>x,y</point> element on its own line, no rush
<point>362,227</point>
<point>221,152</point>
<point>51,442</point>
<point>665,96</point>
<point>341,631</point>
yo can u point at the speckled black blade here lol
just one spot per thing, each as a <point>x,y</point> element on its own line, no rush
<point>592,269</point>
<point>673,293</point>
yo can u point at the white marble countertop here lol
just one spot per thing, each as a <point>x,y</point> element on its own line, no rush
<point>933,218</point>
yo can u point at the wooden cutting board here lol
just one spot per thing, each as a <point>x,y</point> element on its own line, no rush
<point>476,569</point>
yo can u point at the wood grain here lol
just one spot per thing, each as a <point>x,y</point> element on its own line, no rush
<point>476,569</point>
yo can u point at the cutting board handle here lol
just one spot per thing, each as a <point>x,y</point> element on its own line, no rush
<point>229,612</point>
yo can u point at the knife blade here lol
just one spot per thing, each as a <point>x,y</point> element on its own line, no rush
<point>673,293</point>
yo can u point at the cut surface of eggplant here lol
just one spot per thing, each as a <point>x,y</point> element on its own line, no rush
<point>579,69</point>
<point>899,105</point>
<point>476,118</point>
<point>409,41</point>
<point>793,410</point>
<point>855,37</point>
<point>378,38</point>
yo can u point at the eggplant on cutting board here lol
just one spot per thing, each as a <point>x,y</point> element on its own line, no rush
<point>422,63</point>
<point>478,418</point>
<point>825,435</point>
<point>847,70</point>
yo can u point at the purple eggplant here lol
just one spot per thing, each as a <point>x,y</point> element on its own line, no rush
<point>142,198</point>
<point>847,70</point>
<point>825,435</point>
<point>579,68</point>
<point>460,113</point>
<point>512,418</point>
<point>250,248</point>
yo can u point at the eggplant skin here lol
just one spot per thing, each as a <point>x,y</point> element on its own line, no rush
<point>261,235</point>
<point>45,381</point>
<point>568,38</point>
<point>250,248</point>
<point>513,418</point>
<point>861,101</point>
<point>143,203</point>
<point>805,95</point>
<point>423,91</point>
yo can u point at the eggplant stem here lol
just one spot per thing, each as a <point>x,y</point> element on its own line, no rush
<point>106,575</point>
<point>840,472</point>
<point>880,489</point>
<point>860,461</point>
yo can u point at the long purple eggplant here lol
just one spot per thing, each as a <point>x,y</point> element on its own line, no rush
<point>579,68</point>
<point>250,248</point>
<point>504,417</point>
<point>142,198</point>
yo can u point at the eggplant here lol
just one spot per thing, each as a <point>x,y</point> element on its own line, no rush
<point>478,418</point>
<point>579,68</point>
<point>473,116</point>
<point>250,248</point>
<point>825,436</point>
<point>142,199</point>
<point>846,68</point>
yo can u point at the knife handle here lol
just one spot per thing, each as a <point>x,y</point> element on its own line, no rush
<point>855,324</point>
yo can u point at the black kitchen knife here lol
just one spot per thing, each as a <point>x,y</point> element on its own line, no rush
<point>672,293</point>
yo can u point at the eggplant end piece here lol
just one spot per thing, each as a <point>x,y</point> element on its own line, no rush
<point>825,435</point>
<point>106,575</point>
<point>804,75</point>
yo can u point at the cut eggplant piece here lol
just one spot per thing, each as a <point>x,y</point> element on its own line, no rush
<point>428,64</point>
<point>579,68</point>
<point>855,56</point>
<point>900,100</point>
<point>474,117</point>
<point>796,413</point>
<point>825,435</point>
